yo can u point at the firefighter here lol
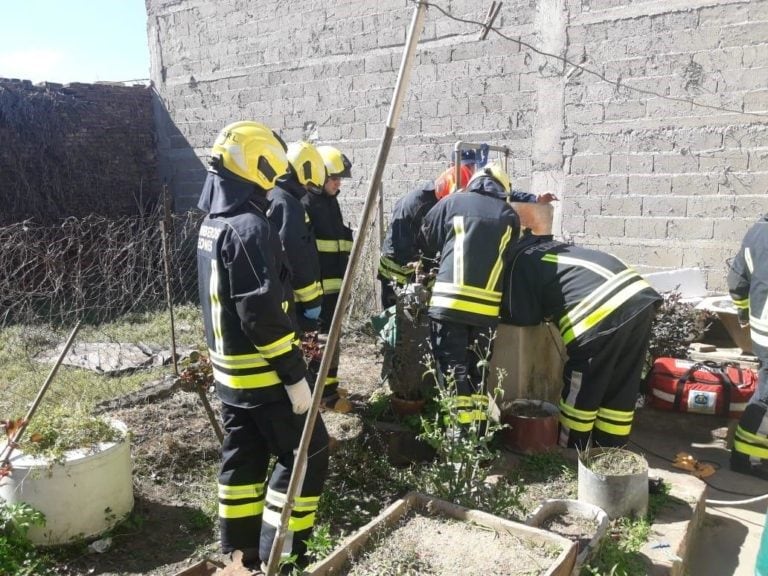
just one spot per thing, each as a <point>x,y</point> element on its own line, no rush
<point>399,253</point>
<point>473,233</point>
<point>306,172</point>
<point>334,243</point>
<point>604,311</point>
<point>258,368</point>
<point>748,286</point>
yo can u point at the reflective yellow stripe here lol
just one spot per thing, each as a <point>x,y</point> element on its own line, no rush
<point>301,523</point>
<point>464,306</point>
<point>571,261</point>
<point>591,301</point>
<point>575,419</point>
<point>331,285</point>
<point>213,292</point>
<point>612,304</point>
<point>615,429</point>
<point>616,422</point>
<point>330,380</point>
<point>345,245</point>
<point>750,444</point>
<point>392,270</point>
<point>241,510</point>
<point>241,491</point>
<point>278,347</point>
<point>468,291</point>
<point>741,303</point>
<point>308,293</point>
<point>327,245</point>
<point>246,381</point>
<point>468,416</point>
<point>496,272</point>
<point>458,250</point>
<point>254,360</point>
<point>620,415</point>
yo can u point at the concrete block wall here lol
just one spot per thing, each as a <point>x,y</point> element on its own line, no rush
<point>642,172</point>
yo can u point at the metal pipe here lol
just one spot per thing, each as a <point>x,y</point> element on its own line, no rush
<point>461,145</point>
<point>300,459</point>
<point>13,442</point>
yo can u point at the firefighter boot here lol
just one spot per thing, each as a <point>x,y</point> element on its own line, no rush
<point>743,464</point>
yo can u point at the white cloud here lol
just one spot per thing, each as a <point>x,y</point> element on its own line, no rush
<point>35,65</point>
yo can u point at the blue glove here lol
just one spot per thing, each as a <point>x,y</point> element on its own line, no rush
<point>312,313</point>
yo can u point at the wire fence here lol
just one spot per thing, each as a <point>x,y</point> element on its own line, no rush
<point>110,273</point>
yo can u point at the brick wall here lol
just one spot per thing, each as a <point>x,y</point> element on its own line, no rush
<point>656,180</point>
<point>75,150</point>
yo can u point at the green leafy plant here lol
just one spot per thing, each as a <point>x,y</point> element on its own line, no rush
<point>17,554</point>
<point>463,450</point>
<point>59,429</point>
<point>676,326</point>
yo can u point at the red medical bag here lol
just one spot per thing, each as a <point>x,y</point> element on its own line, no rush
<point>702,387</point>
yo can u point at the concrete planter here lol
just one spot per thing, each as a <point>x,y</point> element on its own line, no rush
<point>84,496</point>
<point>338,561</point>
<point>555,507</point>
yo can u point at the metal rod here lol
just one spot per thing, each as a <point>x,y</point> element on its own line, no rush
<point>300,459</point>
<point>488,22</point>
<point>461,145</point>
<point>13,442</point>
<point>167,267</point>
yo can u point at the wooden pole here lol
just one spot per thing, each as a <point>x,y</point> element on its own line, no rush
<point>300,459</point>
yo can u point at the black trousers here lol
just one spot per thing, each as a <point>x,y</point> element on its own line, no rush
<point>249,511</point>
<point>326,317</point>
<point>750,442</point>
<point>601,381</point>
<point>458,348</point>
<point>388,296</point>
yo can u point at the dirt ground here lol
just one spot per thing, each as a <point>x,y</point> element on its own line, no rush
<point>175,454</point>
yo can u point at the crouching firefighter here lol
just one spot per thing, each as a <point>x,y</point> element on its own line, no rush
<point>473,232</point>
<point>604,312</point>
<point>258,368</point>
<point>748,286</point>
<point>399,252</point>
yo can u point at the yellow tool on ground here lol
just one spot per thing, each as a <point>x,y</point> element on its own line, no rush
<point>685,461</point>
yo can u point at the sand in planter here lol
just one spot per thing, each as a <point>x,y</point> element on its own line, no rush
<point>572,526</point>
<point>441,546</point>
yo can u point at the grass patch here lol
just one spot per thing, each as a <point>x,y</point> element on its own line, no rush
<point>23,375</point>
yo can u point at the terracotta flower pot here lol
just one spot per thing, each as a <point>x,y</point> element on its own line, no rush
<point>532,426</point>
<point>404,407</point>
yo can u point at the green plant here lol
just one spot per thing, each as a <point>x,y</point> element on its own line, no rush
<point>53,432</point>
<point>676,326</point>
<point>17,554</point>
<point>463,450</point>
<point>321,543</point>
<point>619,554</point>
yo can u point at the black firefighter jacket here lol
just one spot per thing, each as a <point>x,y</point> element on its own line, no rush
<point>241,273</point>
<point>473,231</point>
<point>587,292</point>
<point>399,246</point>
<point>287,213</point>
<point>334,239</point>
<point>748,284</point>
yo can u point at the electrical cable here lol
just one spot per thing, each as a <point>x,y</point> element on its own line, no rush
<point>577,65</point>
<point>751,497</point>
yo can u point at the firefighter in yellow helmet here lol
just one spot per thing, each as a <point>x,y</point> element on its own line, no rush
<point>306,172</point>
<point>334,243</point>
<point>258,368</point>
<point>471,233</point>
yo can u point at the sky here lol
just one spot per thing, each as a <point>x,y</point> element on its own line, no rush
<point>73,40</point>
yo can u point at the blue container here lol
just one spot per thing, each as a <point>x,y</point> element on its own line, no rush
<point>761,567</point>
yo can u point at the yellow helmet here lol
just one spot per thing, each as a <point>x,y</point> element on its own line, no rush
<point>307,164</point>
<point>496,171</point>
<point>252,151</point>
<point>336,163</point>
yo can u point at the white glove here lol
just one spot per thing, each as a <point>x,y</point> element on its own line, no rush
<point>300,396</point>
